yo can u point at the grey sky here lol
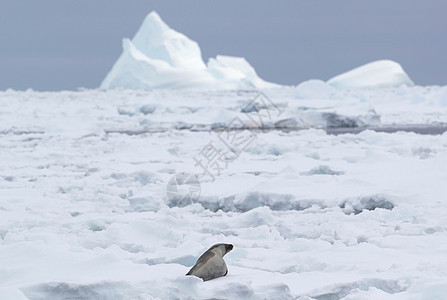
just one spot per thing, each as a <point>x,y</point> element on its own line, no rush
<point>57,45</point>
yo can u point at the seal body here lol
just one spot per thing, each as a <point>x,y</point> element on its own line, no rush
<point>211,264</point>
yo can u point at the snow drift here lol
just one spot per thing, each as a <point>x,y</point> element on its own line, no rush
<point>160,57</point>
<point>381,73</point>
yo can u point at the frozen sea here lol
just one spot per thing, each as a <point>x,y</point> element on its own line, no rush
<point>84,212</point>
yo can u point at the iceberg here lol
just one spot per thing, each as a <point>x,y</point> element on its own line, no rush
<point>159,57</point>
<point>378,74</point>
<point>157,41</point>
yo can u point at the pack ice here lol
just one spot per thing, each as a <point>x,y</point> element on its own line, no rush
<point>160,57</point>
<point>84,212</point>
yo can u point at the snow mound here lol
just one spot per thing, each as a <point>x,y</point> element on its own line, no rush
<point>378,74</point>
<point>372,202</point>
<point>322,170</point>
<point>377,286</point>
<point>253,200</point>
<point>159,57</point>
<point>314,89</point>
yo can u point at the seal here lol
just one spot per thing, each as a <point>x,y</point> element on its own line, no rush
<point>211,264</point>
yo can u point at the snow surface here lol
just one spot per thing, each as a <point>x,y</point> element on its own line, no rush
<point>377,74</point>
<point>84,212</point>
<point>160,57</point>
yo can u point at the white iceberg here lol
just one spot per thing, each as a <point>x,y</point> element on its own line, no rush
<point>378,74</point>
<point>160,57</point>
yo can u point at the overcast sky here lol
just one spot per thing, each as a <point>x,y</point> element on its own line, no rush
<point>60,45</point>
